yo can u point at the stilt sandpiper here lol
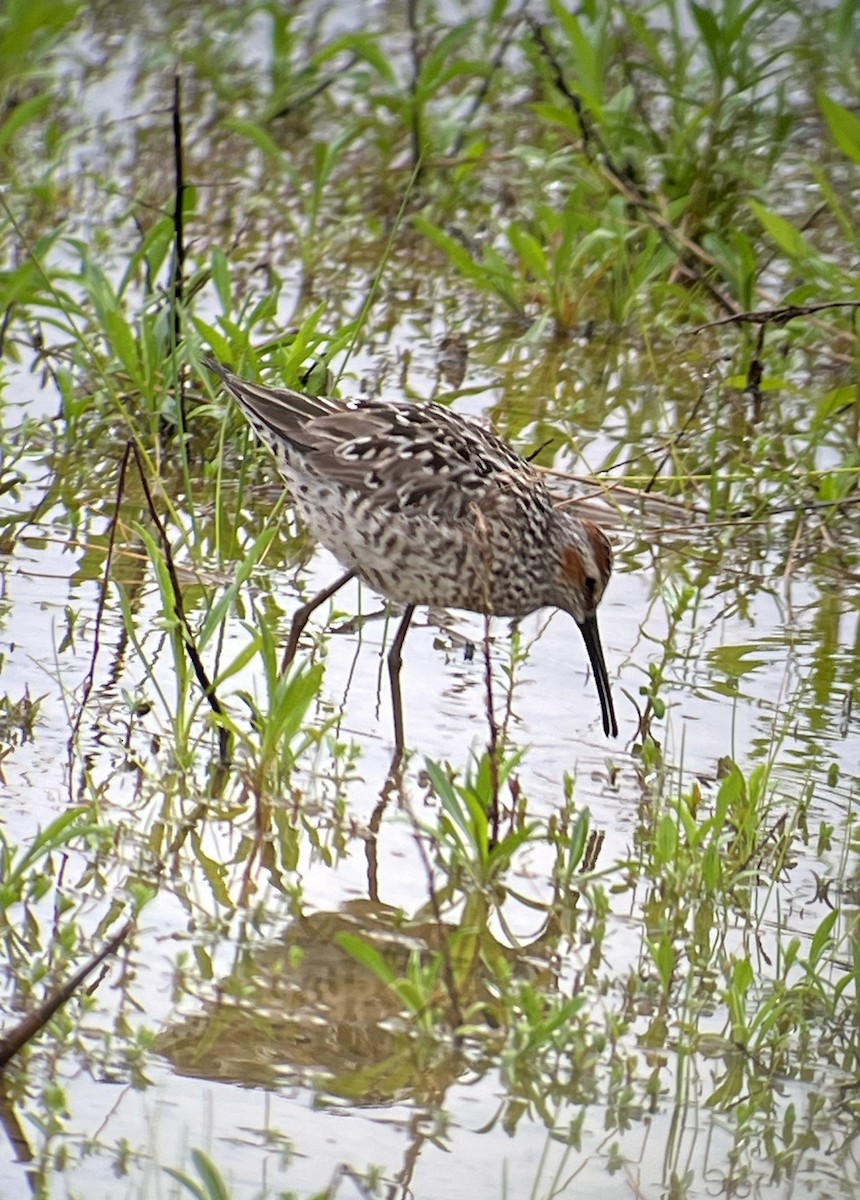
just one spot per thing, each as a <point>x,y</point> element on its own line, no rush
<point>428,507</point>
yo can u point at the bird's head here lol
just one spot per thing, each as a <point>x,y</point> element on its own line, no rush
<point>584,567</point>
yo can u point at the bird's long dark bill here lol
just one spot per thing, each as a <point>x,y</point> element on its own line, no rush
<point>591,637</point>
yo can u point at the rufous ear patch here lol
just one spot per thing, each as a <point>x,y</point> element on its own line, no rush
<point>572,567</point>
<point>600,548</point>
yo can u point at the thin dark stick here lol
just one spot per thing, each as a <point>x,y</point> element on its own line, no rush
<point>748,521</point>
<point>27,1029</point>
<point>415,51</point>
<point>7,318</point>
<point>89,679</point>
<point>493,747</point>
<point>179,608</point>
<point>483,90</point>
<point>313,92</point>
<point>675,442</point>
<point>755,374</point>
<point>300,618</point>
<point>807,506</point>
<point>591,140</point>
<point>779,316</point>
<point>596,150</point>
<point>177,289</point>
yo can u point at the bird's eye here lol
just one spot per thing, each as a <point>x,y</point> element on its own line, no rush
<point>590,585</point>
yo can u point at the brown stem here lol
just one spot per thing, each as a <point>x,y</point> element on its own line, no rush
<point>27,1029</point>
<point>179,608</point>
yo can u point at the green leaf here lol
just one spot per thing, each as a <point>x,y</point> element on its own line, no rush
<point>530,252</point>
<point>256,134</point>
<point>456,251</point>
<point>731,790</point>
<point>221,279</point>
<point>437,65</point>
<point>712,35</point>
<point>663,953</point>
<point>218,344</point>
<point>712,866</point>
<point>742,975</point>
<point>289,701</point>
<point>304,343</point>
<point>123,342</point>
<point>366,954</point>
<point>666,839</point>
<point>844,126</point>
<point>215,873</point>
<point>821,939</point>
<point>586,45</point>
<point>22,114</point>
<point>832,403</point>
<point>213,1182</point>
<point>212,1186</point>
<point>687,820</point>
<point>735,660</point>
<point>245,655</point>
<point>733,1082</point>
<point>789,239</point>
<point>366,46</point>
<point>578,840</point>
<point>250,558</point>
<point>22,285</point>
<point>187,1182</point>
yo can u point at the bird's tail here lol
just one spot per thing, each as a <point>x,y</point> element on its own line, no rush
<point>282,411</point>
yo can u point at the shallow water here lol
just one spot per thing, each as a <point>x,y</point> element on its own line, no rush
<point>236,1023</point>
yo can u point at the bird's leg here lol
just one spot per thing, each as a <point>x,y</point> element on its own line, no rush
<point>300,618</point>
<point>394,661</point>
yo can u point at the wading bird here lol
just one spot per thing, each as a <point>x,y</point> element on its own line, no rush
<point>428,507</point>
